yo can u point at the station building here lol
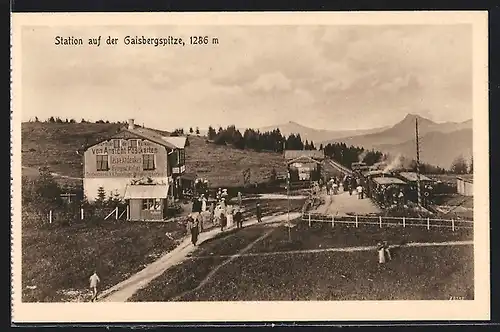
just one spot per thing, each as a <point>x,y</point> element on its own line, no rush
<point>140,165</point>
<point>304,165</point>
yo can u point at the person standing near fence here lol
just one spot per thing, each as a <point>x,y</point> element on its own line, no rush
<point>94,281</point>
<point>240,199</point>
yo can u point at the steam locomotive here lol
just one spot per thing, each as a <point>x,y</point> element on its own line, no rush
<point>396,187</point>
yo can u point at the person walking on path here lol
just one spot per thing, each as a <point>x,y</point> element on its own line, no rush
<point>240,199</point>
<point>229,215</point>
<point>258,212</point>
<point>223,221</point>
<point>193,228</point>
<point>238,218</point>
<point>94,281</point>
<point>359,189</point>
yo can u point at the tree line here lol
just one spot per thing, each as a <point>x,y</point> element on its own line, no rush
<point>256,140</point>
<point>56,119</point>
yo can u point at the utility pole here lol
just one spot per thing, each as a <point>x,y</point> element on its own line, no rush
<point>288,208</point>
<point>419,195</point>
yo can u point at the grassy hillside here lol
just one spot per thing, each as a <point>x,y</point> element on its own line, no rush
<point>223,165</point>
<point>55,145</point>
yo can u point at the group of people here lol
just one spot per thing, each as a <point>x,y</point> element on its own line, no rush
<point>219,212</point>
<point>384,254</point>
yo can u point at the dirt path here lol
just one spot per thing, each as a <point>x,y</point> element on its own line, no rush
<point>122,291</point>
<point>340,249</point>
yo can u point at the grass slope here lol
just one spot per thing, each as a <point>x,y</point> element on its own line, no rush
<point>61,259</point>
<point>55,145</point>
<point>414,274</point>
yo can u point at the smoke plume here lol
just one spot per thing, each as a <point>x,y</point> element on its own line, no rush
<point>396,163</point>
<point>362,156</point>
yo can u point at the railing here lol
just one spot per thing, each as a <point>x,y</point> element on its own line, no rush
<point>388,221</point>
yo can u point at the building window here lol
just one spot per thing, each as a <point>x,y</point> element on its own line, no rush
<point>148,162</point>
<point>182,156</point>
<point>151,204</point>
<point>116,143</point>
<point>133,143</point>
<point>102,162</point>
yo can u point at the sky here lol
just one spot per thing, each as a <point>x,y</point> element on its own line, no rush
<point>325,77</point>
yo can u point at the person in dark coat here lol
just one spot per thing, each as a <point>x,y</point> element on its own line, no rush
<point>193,228</point>
<point>238,218</point>
<point>258,212</point>
<point>223,221</point>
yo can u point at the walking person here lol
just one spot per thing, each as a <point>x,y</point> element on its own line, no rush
<point>359,189</point>
<point>240,199</point>
<point>223,221</point>
<point>381,253</point>
<point>387,252</point>
<point>229,215</point>
<point>258,212</point>
<point>94,281</point>
<point>193,228</point>
<point>238,218</point>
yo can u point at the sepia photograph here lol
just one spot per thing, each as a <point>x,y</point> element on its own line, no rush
<point>278,160</point>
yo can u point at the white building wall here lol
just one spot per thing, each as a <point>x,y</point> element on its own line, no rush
<point>465,188</point>
<point>110,185</point>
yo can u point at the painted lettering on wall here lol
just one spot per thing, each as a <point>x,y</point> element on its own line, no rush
<point>125,159</point>
<point>128,174</point>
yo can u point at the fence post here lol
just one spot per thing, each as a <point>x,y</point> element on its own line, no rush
<point>453,225</point>
<point>356,220</point>
<point>81,213</point>
<point>128,213</point>
<point>333,221</point>
<point>50,216</point>
<point>404,222</point>
<point>428,224</point>
<point>309,219</point>
<point>116,213</point>
<point>380,221</point>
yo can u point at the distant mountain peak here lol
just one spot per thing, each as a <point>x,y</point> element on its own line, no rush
<point>411,117</point>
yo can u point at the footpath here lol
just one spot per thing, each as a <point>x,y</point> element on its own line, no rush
<point>124,290</point>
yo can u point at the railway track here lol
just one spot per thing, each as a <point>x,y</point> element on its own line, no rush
<point>341,168</point>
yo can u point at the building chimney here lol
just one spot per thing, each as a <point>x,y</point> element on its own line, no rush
<point>131,124</point>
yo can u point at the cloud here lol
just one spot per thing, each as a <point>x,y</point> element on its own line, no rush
<point>360,76</point>
<point>271,82</point>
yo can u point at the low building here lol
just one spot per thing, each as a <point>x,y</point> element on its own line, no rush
<point>304,165</point>
<point>139,165</point>
<point>465,186</point>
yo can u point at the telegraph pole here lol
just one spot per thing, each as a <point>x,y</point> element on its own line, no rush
<point>419,194</point>
<point>288,208</point>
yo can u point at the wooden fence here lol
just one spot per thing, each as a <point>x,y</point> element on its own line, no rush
<point>117,213</point>
<point>388,221</point>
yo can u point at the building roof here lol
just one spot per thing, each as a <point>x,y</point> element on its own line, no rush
<point>150,135</point>
<point>388,180</point>
<point>146,191</point>
<point>177,141</point>
<point>374,173</point>
<point>412,176</point>
<point>314,154</point>
<point>468,179</point>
